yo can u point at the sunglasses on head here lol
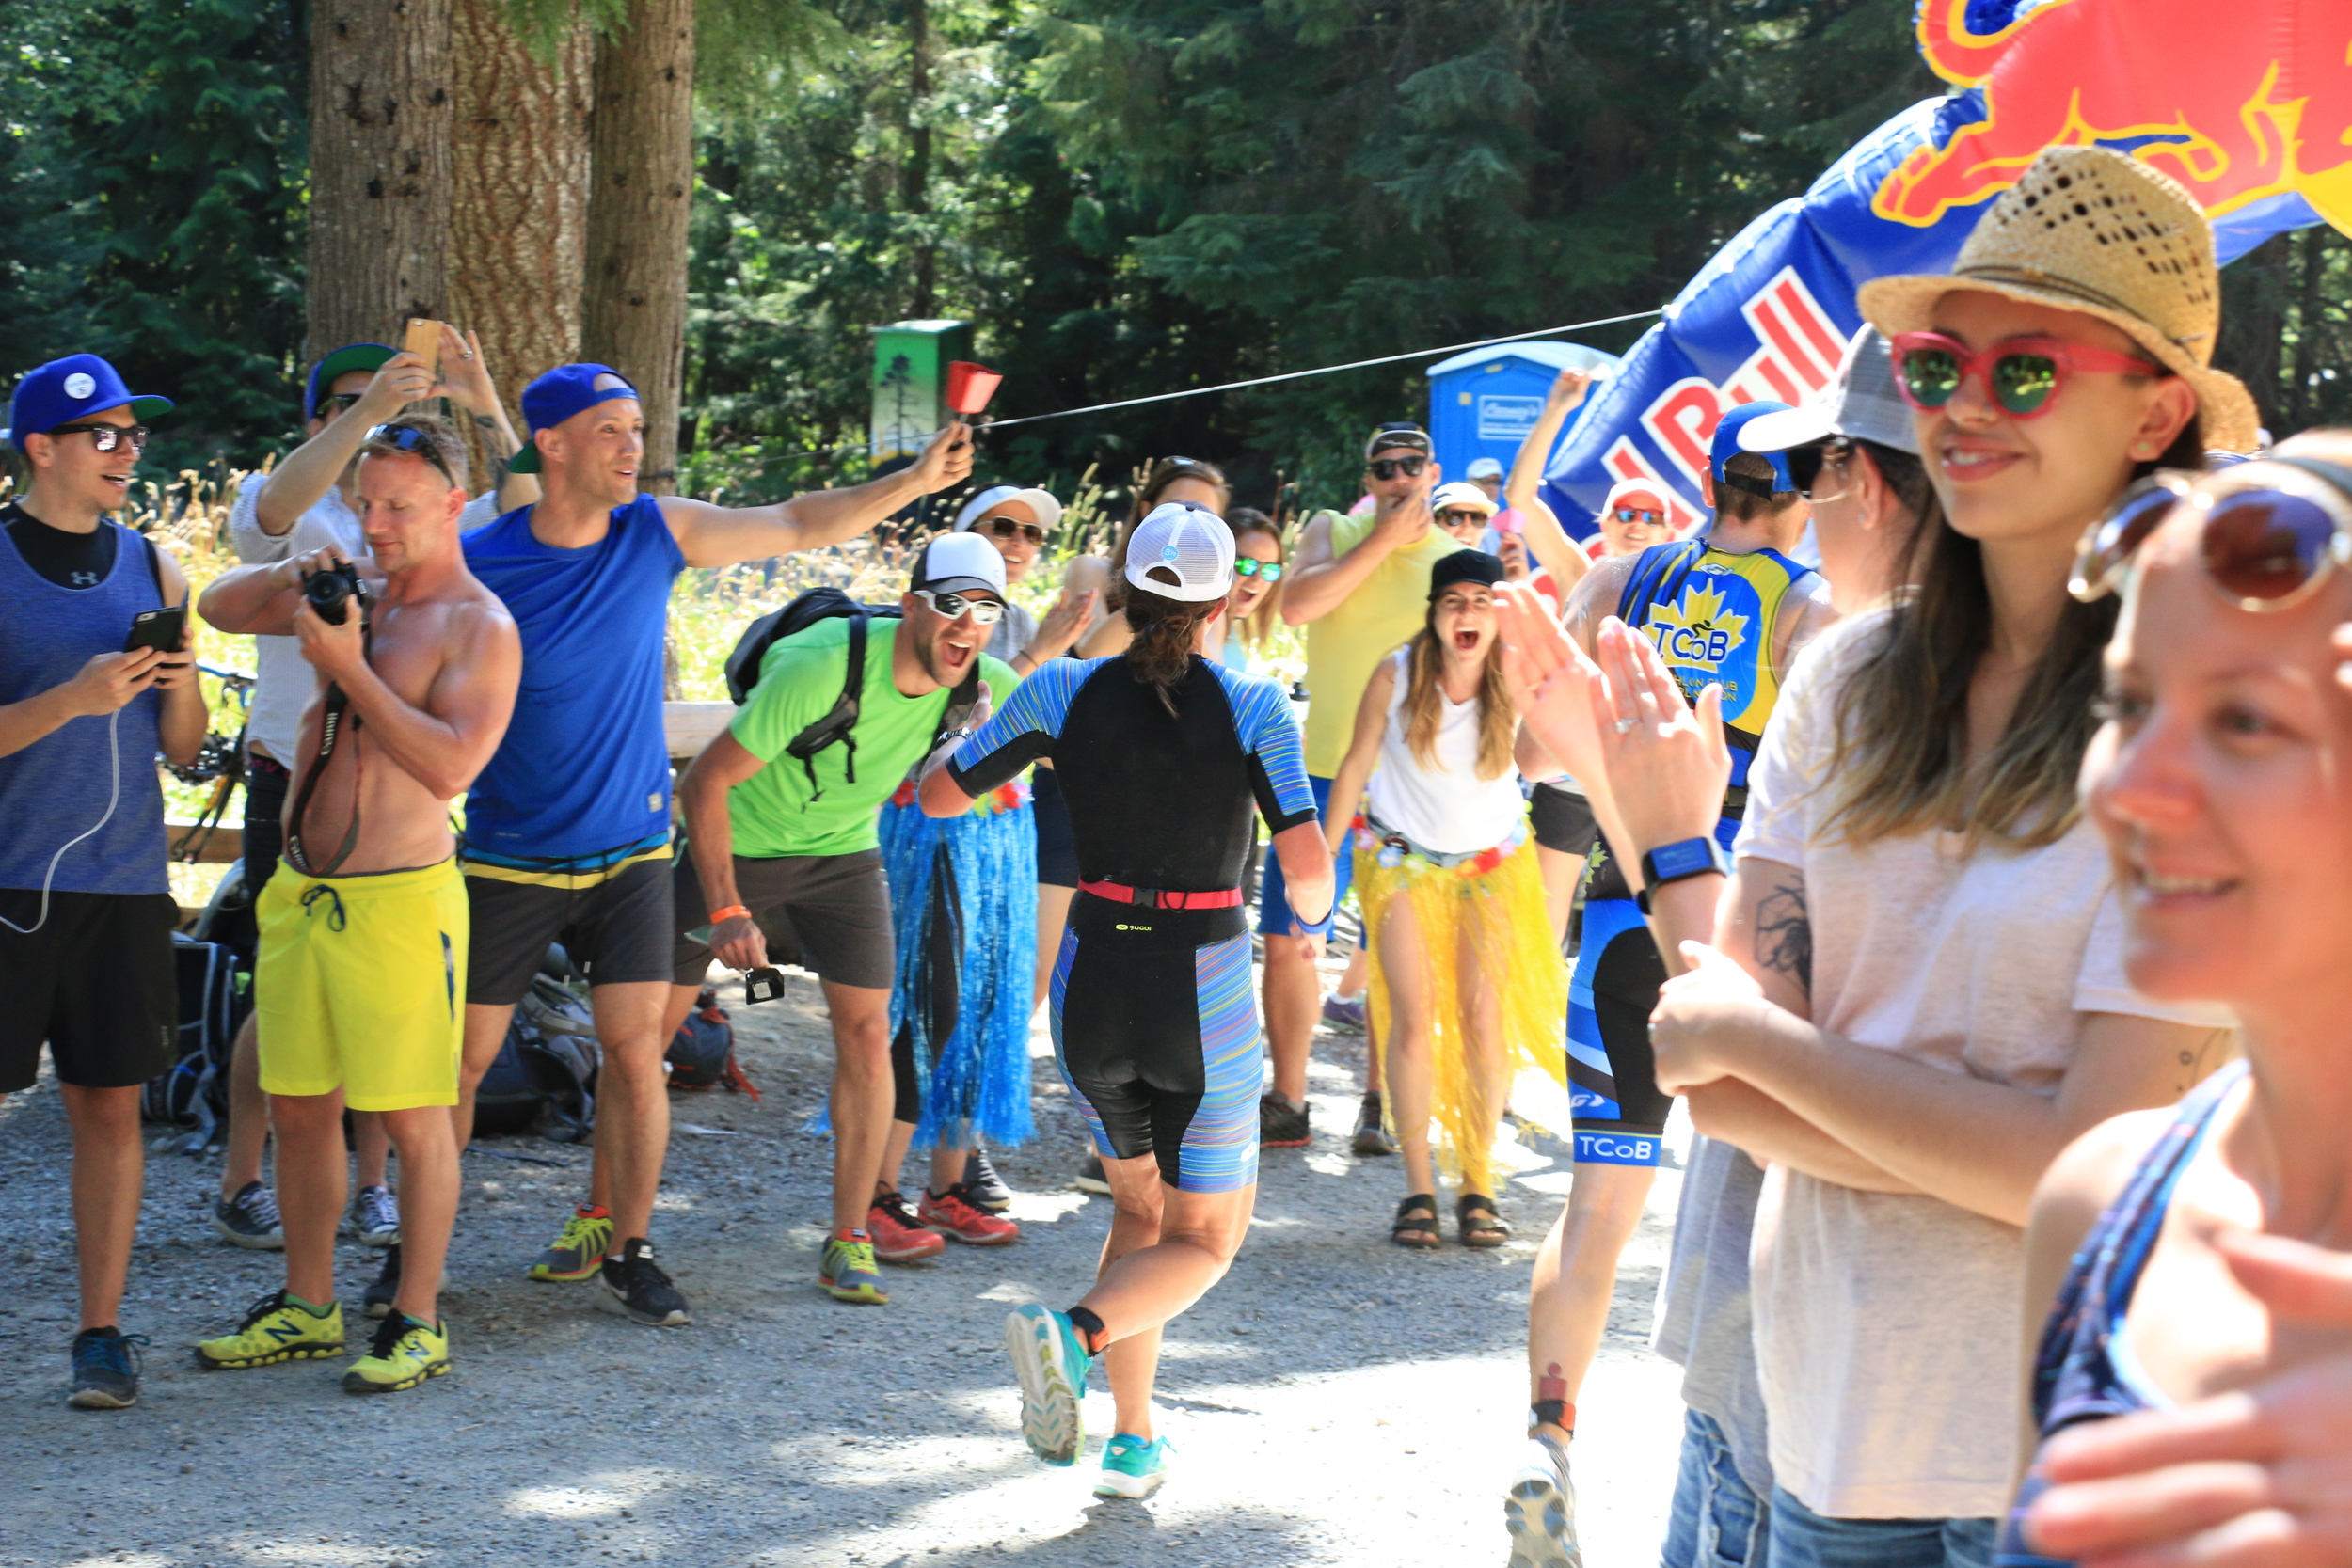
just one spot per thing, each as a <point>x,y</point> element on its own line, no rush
<point>954,606</point>
<point>2265,540</point>
<point>1385,469</point>
<point>408,438</point>
<point>1013,527</point>
<point>1250,567</point>
<point>106,438</point>
<point>2022,375</point>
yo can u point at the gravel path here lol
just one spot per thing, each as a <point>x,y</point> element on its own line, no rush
<point>1333,1401</point>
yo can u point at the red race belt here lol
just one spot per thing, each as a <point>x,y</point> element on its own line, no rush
<point>1163,898</point>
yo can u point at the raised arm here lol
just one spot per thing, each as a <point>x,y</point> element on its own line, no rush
<point>1549,542</point>
<point>721,536</point>
<point>445,743</point>
<point>1319,582</point>
<point>312,469</point>
<point>1363,756</point>
<point>466,382</point>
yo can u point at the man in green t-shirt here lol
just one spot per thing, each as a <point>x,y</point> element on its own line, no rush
<point>787,857</point>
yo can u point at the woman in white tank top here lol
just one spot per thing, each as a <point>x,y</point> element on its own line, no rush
<point>1467,986</point>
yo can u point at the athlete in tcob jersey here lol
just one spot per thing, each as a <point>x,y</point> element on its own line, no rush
<point>1730,609</point>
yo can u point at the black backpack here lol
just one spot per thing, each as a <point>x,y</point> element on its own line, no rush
<point>193,1092</point>
<point>543,1078</point>
<point>839,723</point>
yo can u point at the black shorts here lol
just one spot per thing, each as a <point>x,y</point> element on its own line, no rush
<point>264,820</point>
<point>1057,846</point>
<point>96,981</point>
<point>1612,1076</point>
<point>1563,821</point>
<point>830,913</point>
<point>617,929</point>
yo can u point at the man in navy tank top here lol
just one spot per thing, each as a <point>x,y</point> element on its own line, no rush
<point>568,830</point>
<point>86,905</point>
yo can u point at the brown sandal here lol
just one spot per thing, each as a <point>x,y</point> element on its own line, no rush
<point>1416,1231</point>
<point>1482,1226</point>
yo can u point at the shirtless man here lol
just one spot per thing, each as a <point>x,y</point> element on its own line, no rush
<point>364,930</point>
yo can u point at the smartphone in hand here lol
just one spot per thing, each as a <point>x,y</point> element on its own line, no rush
<point>424,342</point>
<point>158,629</point>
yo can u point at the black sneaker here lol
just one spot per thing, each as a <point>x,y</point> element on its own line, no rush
<point>105,1369</point>
<point>1371,1138</point>
<point>983,1186</point>
<point>634,1286</point>
<point>251,1218</point>
<point>1091,1177</point>
<point>376,1300</point>
<point>1281,1124</point>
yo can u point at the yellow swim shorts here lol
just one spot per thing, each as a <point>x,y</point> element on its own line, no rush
<point>359,986</point>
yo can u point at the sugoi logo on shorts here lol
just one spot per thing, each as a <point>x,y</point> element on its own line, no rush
<point>1615,1148</point>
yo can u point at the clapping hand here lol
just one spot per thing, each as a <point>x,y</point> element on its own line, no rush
<point>1668,764</point>
<point>1551,680</point>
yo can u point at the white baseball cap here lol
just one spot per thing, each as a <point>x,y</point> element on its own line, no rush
<point>1041,505</point>
<point>960,563</point>
<point>1186,540</point>
<point>1861,404</point>
<point>1461,493</point>
<point>1482,467</point>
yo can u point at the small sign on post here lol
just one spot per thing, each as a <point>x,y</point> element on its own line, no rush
<point>910,360</point>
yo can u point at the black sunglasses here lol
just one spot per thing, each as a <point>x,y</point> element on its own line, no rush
<point>1805,461</point>
<point>408,438</point>
<point>1385,468</point>
<point>1011,528</point>
<point>1460,516</point>
<point>340,401</point>
<point>106,438</point>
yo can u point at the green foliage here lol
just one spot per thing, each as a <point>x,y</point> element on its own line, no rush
<point>151,185</point>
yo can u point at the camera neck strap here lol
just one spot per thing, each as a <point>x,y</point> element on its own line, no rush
<point>332,726</point>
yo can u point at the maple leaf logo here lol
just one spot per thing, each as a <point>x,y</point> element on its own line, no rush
<point>1697,631</point>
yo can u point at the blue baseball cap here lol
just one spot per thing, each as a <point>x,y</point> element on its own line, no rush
<point>351,357</point>
<point>557,396</point>
<point>64,389</point>
<point>1726,443</point>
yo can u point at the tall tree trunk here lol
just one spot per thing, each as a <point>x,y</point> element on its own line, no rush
<point>380,113</point>
<point>643,135</point>
<point>917,190</point>
<point>519,224</point>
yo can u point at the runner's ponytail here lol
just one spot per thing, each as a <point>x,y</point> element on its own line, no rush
<point>1166,632</point>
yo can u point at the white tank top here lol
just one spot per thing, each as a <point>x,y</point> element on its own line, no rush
<point>1447,808</point>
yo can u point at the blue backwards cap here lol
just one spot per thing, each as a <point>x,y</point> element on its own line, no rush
<point>64,389</point>
<point>557,396</point>
<point>1726,442</point>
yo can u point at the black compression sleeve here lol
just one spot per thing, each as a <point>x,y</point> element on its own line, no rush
<point>1001,766</point>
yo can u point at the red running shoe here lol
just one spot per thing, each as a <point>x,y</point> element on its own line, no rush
<point>955,1215</point>
<point>898,1236</point>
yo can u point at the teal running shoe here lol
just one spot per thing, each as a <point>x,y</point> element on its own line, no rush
<point>1052,1363</point>
<point>1133,1468</point>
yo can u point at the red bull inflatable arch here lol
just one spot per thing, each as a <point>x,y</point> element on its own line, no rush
<point>2250,107</point>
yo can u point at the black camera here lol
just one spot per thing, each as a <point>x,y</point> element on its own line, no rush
<point>329,590</point>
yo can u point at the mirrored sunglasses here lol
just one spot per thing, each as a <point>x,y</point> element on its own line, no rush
<point>107,437</point>
<point>2265,540</point>
<point>2024,375</point>
<point>1250,567</point>
<point>984,612</point>
<point>1638,515</point>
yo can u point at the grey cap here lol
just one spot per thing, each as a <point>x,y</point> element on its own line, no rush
<point>1862,404</point>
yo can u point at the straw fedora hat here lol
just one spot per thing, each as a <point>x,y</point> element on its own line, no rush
<point>2091,229</point>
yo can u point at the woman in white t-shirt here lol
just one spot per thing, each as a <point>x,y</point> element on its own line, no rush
<point>1943,1004</point>
<point>1465,985</point>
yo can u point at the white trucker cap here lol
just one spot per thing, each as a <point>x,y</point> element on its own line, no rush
<point>960,563</point>
<point>1041,505</point>
<point>1188,541</point>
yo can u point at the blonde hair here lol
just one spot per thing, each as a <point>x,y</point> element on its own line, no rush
<point>1425,691</point>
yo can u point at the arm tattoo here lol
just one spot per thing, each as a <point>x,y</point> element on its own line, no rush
<point>491,441</point>
<point>2214,1052</point>
<point>1783,933</point>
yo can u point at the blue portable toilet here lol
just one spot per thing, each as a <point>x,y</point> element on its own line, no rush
<point>1483,402</point>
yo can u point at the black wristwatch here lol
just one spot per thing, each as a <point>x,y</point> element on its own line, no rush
<point>1675,863</point>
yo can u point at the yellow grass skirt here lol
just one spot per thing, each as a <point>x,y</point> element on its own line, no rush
<point>1496,904</point>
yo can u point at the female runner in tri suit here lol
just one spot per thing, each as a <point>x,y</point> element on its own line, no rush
<point>2222,784</point>
<point>1161,753</point>
<point>1466,985</point>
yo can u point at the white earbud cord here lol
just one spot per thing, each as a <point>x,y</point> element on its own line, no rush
<point>113,794</point>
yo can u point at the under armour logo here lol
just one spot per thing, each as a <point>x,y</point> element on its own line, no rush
<point>84,579</point>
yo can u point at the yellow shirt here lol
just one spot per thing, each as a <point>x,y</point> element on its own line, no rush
<point>1343,647</point>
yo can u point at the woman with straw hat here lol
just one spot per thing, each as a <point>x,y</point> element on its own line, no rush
<point>1916,998</point>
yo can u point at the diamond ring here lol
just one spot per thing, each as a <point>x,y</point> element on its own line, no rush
<point>1625,727</point>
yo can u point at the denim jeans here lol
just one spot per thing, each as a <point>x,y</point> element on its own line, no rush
<point>1717,1522</point>
<point>1803,1539</point>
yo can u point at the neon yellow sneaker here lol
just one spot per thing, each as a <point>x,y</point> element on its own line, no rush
<point>849,1272</point>
<point>274,1330</point>
<point>580,1251</point>
<point>405,1352</point>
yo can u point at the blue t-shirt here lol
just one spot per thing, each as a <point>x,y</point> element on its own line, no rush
<point>58,788</point>
<point>584,767</point>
